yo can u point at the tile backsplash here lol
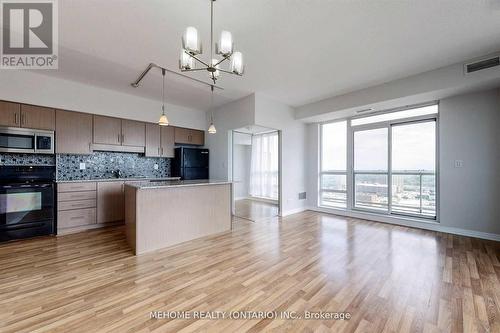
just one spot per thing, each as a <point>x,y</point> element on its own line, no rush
<point>26,159</point>
<point>97,165</point>
<point>102,165</point>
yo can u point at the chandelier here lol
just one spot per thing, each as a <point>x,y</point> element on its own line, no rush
<point>192,48</point>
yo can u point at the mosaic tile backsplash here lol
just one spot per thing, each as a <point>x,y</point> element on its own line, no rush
<point>26,159</point>
<point>102,165</point>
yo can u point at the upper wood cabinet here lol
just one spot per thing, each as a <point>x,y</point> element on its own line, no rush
<point>133,133</point>
<point>27,116</point>
<point>107,130</point>
<point>119,132</point>
<point>73,132</point>
<point>167,141</point>
<point>10,114</point>
<point>38,117</point>
<point>110,201</point>
<point>152,140</point>
<point>189,136</point>
<point>160,141</point>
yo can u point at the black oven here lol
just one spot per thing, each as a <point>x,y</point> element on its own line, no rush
<point>26,201</point>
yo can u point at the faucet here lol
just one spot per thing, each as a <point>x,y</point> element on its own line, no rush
<point>117,173</point>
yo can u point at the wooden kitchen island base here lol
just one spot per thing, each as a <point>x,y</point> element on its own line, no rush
<point>162,214</point>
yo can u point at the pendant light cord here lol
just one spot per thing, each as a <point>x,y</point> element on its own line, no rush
<point>212,103</point>
<point>163,92</point>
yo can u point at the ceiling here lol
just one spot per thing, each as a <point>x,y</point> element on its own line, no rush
<point>296,51</point>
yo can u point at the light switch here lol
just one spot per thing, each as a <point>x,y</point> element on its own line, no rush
<point>82,166</point>
<point>459,163</point>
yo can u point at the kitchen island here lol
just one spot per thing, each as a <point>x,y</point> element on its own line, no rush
<point>166,213</point>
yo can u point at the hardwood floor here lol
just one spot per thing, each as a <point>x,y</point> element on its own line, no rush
<point>389,278</point>
<point>255,210</point>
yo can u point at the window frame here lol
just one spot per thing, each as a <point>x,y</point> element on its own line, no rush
<point>350,173</point>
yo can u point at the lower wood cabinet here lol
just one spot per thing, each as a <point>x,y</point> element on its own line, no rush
<point>110,202</point>
<point>76,206</point>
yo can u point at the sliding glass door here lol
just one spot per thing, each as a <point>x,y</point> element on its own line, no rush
<point>395,168</point>
<point>414,168</point>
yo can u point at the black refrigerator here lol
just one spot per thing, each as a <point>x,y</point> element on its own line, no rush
<point>190,163</point>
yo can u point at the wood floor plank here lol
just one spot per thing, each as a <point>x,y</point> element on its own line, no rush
<point>388,278</point>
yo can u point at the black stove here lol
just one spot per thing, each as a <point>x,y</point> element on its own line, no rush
<point>26,201</point>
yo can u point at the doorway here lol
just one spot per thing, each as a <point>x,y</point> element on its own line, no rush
<point>256,173</point>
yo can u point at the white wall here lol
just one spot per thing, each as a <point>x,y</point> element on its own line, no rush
<point>469,130</point>
<point>33,88</point>
<point>273,114</point>
<point>242,155</point>
<point>257,109</point>
<point>230,116</point>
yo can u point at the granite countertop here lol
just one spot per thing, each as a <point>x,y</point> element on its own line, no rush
<point>127,179</point>
<point>177,183</point>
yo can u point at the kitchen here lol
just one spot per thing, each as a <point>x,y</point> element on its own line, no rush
<point>64,171</point>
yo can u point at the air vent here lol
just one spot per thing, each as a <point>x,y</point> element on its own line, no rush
<point>302,196</point>
<point>482,64</point>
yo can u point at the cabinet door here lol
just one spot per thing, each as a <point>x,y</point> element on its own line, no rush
<point>10,114</point>
<point>110,202</point>
<point>38,117</point>
<point>167,141</point>
<point>133,133</point>
<point>153,140</point>
<point>197,137</point>
<point>182,135</point>
<point>107,130</point>
<point>73,132</point>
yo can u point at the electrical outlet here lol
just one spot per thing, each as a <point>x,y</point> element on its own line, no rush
<point>82,166</point>
<point>459,163</point>
<point>156,167</point>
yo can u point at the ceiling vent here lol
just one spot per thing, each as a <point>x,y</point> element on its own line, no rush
<point>482,64</point>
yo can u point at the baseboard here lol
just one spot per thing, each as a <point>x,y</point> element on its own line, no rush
<point>294,211</point>
<point>434,226</point>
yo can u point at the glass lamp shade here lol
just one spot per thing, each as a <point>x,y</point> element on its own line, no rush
<point>185,61</point>
<point>216,74</point>
<point>237,66</point>
<point>225,46</point>
<point>190,41</point>
<point>212,129</point>
<point>163,120</point>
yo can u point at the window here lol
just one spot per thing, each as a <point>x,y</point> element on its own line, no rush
<point>371,169</point>
<point>333,174</point>
<point>393,158</point>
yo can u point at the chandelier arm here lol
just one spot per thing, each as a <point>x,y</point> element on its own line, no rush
<point>197,59</point>
<point>194,69</point>
<point>221,61</point>
<point>228,72</point>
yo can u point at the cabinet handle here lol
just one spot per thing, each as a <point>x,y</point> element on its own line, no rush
<point>15,118</point>
<point>77,217</point>
<point>123,138</point>
<point>161,151</point>
<point>22,119</point>
<point>118,138</point>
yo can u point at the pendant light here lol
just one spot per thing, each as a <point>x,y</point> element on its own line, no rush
<point>163,118</point>
<point>211,128</point>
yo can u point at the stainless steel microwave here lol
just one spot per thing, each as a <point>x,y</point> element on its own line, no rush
<point>24,140</point>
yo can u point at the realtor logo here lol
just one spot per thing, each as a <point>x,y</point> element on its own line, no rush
<point>29,34</point>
